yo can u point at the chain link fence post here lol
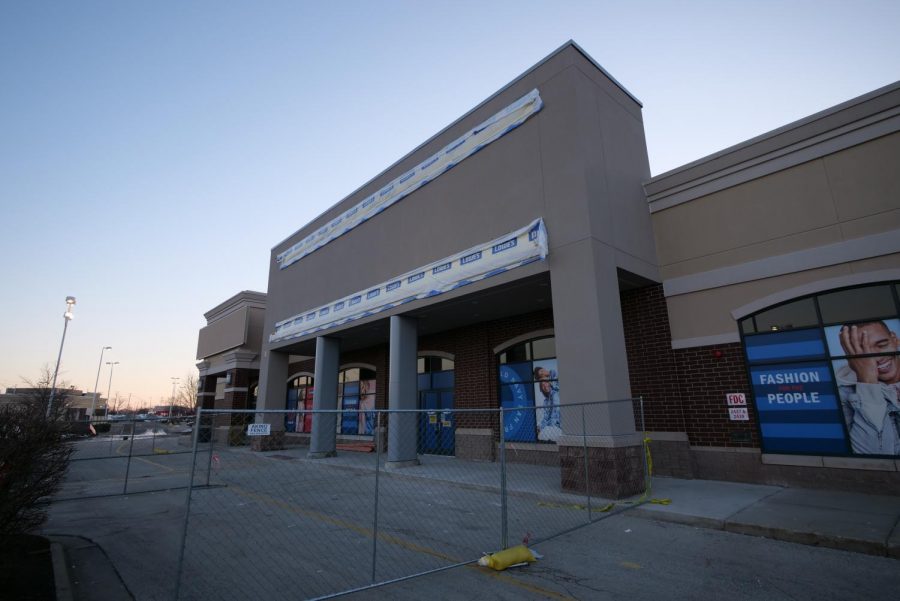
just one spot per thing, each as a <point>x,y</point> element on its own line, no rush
<point>587,473</point>
<point>212,438</point>
<point>130,452</point>
<point>504,508</point>
<point>187,505</point>
<point>377,474</point>
<point>645,445</point>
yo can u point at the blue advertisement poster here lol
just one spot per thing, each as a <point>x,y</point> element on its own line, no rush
<point>516,390</point>
<point>798,408</point>
<point>791,345</point>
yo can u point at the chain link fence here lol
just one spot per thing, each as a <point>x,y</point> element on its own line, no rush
<point>264,519</point>
<point>129,456</point>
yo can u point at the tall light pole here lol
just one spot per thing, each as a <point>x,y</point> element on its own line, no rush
<point>172,404</point>
<point>97,381</point>
<point>109,388</point>
<point>67,317</point>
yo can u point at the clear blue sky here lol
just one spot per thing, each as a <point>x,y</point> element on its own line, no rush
<point>152,153</point>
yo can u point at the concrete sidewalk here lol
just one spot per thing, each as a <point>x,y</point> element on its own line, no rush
<point>840,520</point>
<point>862,523</point>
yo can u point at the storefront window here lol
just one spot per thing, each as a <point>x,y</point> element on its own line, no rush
<point>831,386</point>
<point>855,304</point>
<point>528,379</point>
<point>299,396</point>
<point>356,398</point>
<point>797,314</point>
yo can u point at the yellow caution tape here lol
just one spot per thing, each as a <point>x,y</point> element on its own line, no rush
<point>648,487</point>
<point>661,501</point>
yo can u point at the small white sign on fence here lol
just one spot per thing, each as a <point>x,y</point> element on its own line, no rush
<point>259,429</point>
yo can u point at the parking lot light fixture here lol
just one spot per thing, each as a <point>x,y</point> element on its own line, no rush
<point>111,364</point>
<point>97,381</point>
<point>172,404</point>
<point>67,317</point>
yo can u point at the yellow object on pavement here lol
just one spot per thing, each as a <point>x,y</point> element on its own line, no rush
<point>503,559</point>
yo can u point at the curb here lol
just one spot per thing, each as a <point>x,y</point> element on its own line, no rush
<point>60,573</point>
<point>868,547</point>
<point>814,539</point>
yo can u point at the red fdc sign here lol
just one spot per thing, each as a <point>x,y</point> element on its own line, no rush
<point>736,399</point>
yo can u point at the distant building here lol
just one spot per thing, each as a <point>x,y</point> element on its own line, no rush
<point>78,402</point>
<point>541,261</point>
<point>228,350</point>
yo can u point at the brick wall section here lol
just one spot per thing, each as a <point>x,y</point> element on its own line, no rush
<point>207,385</point>
<point>236,399</point>
<point>652,363</point>
<point>708,373</point>
<point>683,389</point>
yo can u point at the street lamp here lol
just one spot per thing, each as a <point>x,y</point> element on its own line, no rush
<point>112,365</point>
<point>97,381</point>
<point>67,317</point>
<point>172,404</point>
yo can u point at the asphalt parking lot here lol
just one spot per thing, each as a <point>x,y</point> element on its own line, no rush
<point>275,525</point>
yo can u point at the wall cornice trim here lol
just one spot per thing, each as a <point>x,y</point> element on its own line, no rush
<point>855,249</point>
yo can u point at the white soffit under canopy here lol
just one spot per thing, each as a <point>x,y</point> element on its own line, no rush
<point>498,256</point>
<point>454,153</point>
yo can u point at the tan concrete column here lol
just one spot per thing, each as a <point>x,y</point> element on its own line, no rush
<point>593,367</point>
<point>324,437</point>
<point>403,393</point>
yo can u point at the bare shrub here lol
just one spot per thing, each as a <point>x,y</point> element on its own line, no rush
<point>34,457</point>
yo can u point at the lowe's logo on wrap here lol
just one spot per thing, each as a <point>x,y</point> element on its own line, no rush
<point>352,211</point>
<point>441,268</point>
<point>355,300</point>
<point>386,190</point>
<point>339,306</point>
<point>368,201</point>
<point>455,145</point>
<point>406,177</point>
<point>310,316</point>
<point>373,293</point>
<point>430,162</point>
<point>499,248</point>
<point>323,311</point>
<point>392,286</point>
<point>415,277</point>
<point>470,258</point>
<point>533,234</point>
